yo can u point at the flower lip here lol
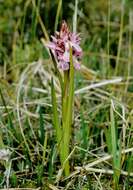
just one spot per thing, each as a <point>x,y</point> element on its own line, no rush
<point>60,46</point>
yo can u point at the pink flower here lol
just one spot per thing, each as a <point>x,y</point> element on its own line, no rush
<point>60,47</point>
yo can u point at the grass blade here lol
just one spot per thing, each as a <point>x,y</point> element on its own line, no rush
<point>116,153</point>
<point>42,131</point>
<point>58,14</point>
<point>75,16</point>
<point>56,122</point>
<point>57,72</point>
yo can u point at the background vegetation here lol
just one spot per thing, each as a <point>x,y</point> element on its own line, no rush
<point>103,123</point>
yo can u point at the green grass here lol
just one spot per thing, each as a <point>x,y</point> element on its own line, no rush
<point>102,132</point>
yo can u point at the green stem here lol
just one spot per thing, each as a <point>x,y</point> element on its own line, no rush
<point>67,113</point>
<point>65,95</point>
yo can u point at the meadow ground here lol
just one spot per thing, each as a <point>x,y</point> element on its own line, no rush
<point>101,146</point>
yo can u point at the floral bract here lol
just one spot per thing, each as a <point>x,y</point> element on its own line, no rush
<point>60,46</point>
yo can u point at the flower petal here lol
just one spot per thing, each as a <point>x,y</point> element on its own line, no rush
<point>63,65</point>
<point>77,65</point>
<point>66,56</point>
<point>51,45</point>
<point>54,39</point>
<point>77,47</point>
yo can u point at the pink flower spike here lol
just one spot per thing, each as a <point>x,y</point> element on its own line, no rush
<point>61,50</point>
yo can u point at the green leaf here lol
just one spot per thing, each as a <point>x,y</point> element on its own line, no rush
<point>69,112</point>
<point>57,72</point>
<point>71,92</point>
<point>56,122</point>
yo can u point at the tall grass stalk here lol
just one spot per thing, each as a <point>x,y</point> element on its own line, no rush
<point>108,37</point>
<point>116,152</point>
<point>58,14</point>
<point>75,16</point>
<point>120,36</point>
<point>40,21</point>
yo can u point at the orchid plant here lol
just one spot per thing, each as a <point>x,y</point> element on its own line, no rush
<point>66,52</point>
